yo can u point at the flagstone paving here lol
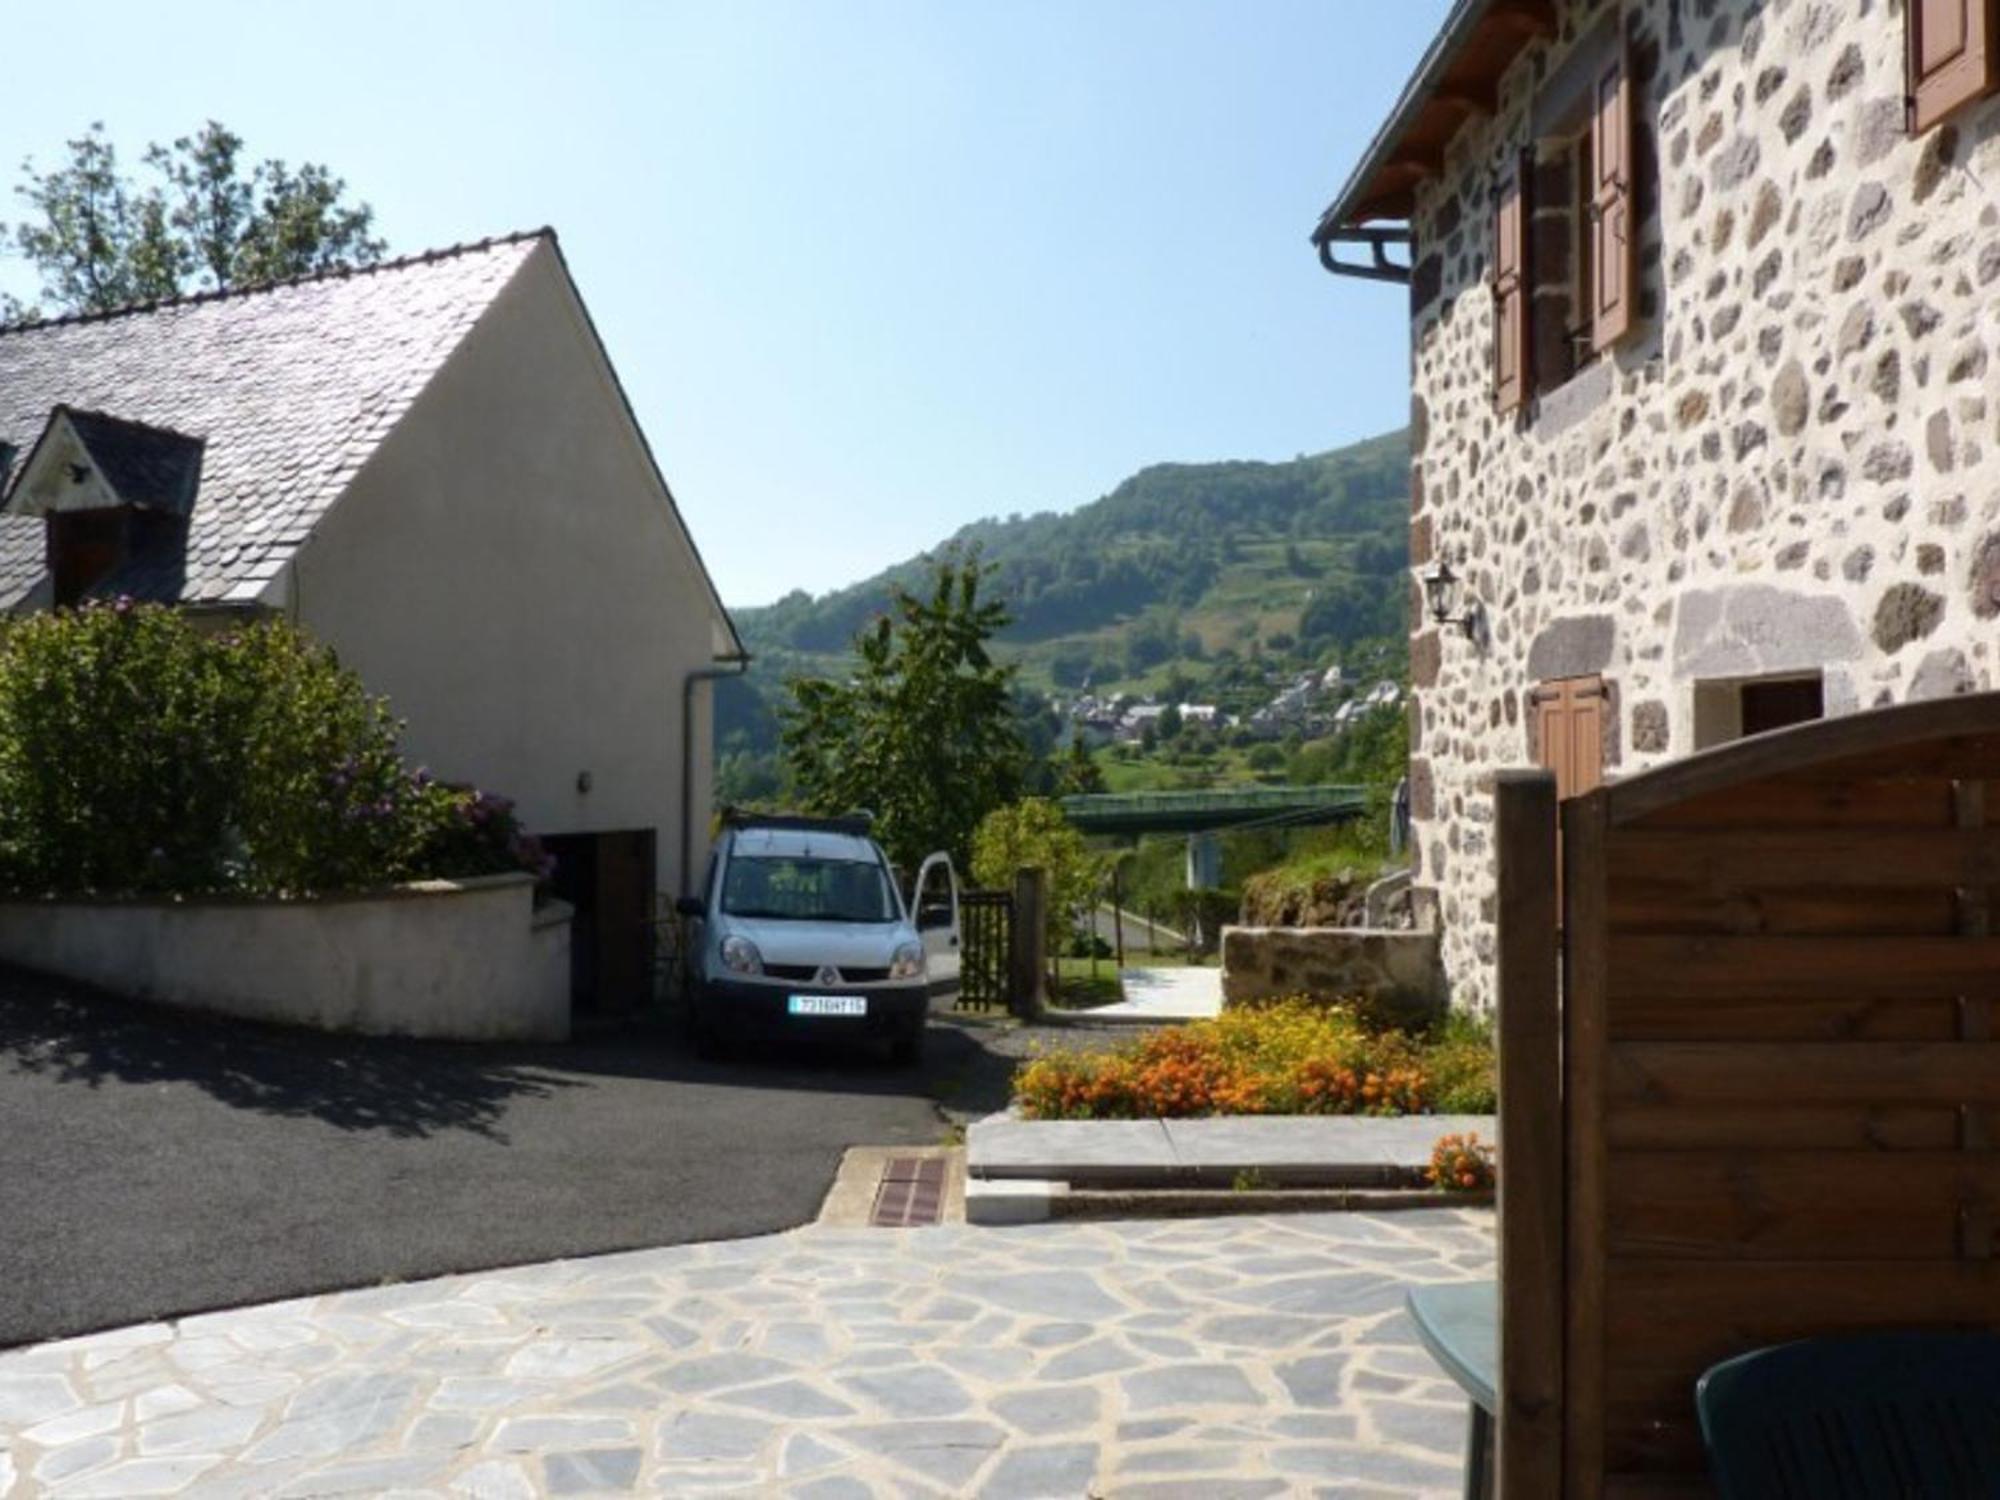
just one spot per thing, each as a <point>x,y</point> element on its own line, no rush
<point>1209,1358</point>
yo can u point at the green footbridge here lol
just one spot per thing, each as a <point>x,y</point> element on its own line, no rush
<point>1128,814</point>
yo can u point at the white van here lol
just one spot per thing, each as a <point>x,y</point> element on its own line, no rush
<point>801,931</point>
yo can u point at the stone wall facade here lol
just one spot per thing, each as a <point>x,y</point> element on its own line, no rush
<point>1792,463</point>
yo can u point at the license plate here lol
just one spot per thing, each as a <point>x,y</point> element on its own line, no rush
<point>828,1005</point>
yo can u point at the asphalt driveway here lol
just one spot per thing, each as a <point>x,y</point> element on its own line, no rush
<point>153,1164</point>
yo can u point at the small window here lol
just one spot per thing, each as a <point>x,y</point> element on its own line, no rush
<point>1560,316</point>
<point>1725,711</point>
<point>1565,257</point>
<point>1953,58</point>
<point>1567,719</point>
<point>82,547</point>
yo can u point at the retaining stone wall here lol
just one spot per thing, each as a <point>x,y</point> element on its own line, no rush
<point>1395,968</point>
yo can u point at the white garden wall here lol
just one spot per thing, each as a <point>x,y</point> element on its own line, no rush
<point>470,960</point>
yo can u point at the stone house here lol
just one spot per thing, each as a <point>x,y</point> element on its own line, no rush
<point>1705,337</point>
<point>430,465</point>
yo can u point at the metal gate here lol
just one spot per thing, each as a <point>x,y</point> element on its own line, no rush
<point>986,921</point>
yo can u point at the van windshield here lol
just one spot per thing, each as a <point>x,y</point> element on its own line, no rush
<point>803,888</point>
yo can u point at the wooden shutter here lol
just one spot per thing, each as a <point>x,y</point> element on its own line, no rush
<point>1952,57</point>
<point>1614,238</point>
<point>1510,292</point>
<point>1569,732</point>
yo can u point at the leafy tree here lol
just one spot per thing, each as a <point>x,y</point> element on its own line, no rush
<point>1032,834</point>
<point>205,220</point>
<point>1079,774</point>
<point>924,734</point>
<point>1170,721</point>
<point>1070,666</point>
<point>1345,611</point>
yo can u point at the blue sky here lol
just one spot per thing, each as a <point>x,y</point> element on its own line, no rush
<point>869,270</point>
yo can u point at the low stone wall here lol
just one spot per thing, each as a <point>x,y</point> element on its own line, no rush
<point>1395,967</point>
<point>469,960</point>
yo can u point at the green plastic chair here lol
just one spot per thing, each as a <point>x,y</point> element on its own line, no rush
<point>1890,1416</point>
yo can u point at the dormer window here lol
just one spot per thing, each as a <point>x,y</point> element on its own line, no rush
<point>115,497</point>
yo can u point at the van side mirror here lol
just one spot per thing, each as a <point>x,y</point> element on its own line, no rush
<point>690,906</point>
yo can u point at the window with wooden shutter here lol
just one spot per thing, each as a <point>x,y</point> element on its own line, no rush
<point>1510,292</point>
<point>1569,732</point>
<point>1614,238</point>
<point>1953,59</point>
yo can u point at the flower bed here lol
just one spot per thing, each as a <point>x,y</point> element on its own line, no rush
<point>1290,1058</point>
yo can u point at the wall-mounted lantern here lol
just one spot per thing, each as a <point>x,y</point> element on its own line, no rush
<point>1441,593</point>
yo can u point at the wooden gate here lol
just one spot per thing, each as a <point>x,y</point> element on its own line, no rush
<point>1757,1101</point>
<point>986,932</point>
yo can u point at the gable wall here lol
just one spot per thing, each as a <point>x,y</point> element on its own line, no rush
<point>1792,463</point>
<point>507,570</point>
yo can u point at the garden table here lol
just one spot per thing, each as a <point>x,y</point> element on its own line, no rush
<point>1459,1324</point>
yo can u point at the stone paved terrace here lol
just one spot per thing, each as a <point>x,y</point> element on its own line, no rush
<point>1210,1358</point>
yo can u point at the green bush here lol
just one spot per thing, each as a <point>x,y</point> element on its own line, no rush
<point>1461,1062</point>
<point>139,753</point>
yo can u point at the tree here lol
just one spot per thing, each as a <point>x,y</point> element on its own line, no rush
<point>1345,611</point>
<point>1079,774</point>
<point>1032,834</point>
<point>924,734</point>
<point>1070,666</point>
<point>205,221</point>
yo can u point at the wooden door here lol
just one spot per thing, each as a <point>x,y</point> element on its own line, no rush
<point>624,910</point>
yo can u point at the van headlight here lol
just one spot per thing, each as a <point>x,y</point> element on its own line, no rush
<point>740,956</point>
<point>908,962</point>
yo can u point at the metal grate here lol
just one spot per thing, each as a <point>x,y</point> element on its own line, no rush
<point>911,1193</point>
<point>988,921</point>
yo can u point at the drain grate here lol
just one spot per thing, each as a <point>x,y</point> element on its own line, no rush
<point>911,1193</point>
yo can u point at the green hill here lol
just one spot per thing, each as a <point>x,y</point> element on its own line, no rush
<point>1210,574</point>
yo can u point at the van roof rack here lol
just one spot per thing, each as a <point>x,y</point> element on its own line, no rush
<point>858,824</point>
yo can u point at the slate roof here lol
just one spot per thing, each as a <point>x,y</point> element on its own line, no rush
<point>151,466</point>
<point>289,387</point>
<point>145,466</point>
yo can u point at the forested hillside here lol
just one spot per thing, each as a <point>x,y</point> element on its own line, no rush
<point>1179,560</point>
<point>1211,582</point>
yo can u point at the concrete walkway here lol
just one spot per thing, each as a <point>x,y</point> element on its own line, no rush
<point>1164,995</point>
<point>1202,1358</point>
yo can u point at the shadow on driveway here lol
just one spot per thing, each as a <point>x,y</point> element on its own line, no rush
<point>155,1163</point>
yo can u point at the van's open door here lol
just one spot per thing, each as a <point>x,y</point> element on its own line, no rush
<point>934,908</point>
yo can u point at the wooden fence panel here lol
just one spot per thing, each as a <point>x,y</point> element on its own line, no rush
<point>1528,1458</point>
<point>1780,1077</point>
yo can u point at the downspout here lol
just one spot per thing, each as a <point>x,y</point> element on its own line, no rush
<point>734,666</point>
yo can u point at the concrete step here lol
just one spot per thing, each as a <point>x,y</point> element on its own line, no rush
<point>1324,1151</point>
